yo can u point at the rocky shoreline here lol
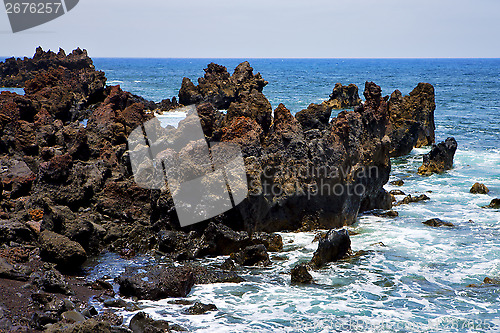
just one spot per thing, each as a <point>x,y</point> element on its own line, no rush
<point>68,192</point>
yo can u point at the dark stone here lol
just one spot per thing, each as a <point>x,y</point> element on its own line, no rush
<point>200,308</point>
<point>142,323</point>
<point>387,213</point>
<point>12,272</point>
<point>251,256</point>
<point>51,280</point>
<point>479,188</point>
<point>397,192</point>
<point>440,158</point>
<point>156,282</point>
<point>272,242</point>
<point>59,249</point>
<point>409,199</point>
<point>398,182</point>
<point>300,274</point>
<point>438,223</point>
<point>334,246</point>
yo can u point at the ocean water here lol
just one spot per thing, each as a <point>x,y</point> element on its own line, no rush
<point>411,277</point>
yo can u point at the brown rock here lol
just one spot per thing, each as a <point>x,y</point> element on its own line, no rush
<point>479,188</point>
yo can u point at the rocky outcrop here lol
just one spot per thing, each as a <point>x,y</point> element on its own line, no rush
<point>412,119</point>
<point>440,158</point>
<point>333,246</point>
<point>15,72</point>
<point>479,188</point>
<point>343,97</point>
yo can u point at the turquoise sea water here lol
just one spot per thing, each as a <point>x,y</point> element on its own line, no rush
<point>417,280</point>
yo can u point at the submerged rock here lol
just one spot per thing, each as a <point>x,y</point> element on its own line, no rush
<point>299,274</point>
<point>440,158</point>
<point>479,188</point>
<point>334,246</point>
<point>438,223</point>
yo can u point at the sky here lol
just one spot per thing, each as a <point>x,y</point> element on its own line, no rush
<point>268,29</point>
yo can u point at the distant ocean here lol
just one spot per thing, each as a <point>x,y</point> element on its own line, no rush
<point>413,278</point>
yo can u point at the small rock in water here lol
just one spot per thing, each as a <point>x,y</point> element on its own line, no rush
<point>228,265</point>
<point>200,308</point>
<point>300,274</point>
<point>440,158</point>
<point>142,322</point>
<point>388,213</point>
<point>438,223</point>
<point>495,204</point>
<point>479,188</point>
<point>398,182</point>
<point>334,246</point>
<point>409,199</point>
<point>397,192</point>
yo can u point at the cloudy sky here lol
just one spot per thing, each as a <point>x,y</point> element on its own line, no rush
<point>268,28</point>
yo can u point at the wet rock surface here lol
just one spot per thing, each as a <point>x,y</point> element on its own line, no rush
<point>333,246</point>
<point>479,188</point>
<point>435,222</point>
<point>412,119</point>
<point>440,158</point>
<point>300,274</point>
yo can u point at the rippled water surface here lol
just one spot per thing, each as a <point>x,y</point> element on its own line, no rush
<point>410,277</point>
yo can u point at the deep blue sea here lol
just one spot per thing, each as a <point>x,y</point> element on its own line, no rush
<point>417,281</point>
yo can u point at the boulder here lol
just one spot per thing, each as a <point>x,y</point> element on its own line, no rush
<point>334,246</point>
<point>272,242</point>
<point>479,188</point>
<point>219,239</point>
<point>254,255</point>
<point>141,322</point>
<point>15,231</point>
<point>435,222</point>
<point>59,249</point>
<point>157,282</point>
<point>199,308</point>
<point>13,272</point>
<point>300,274</point>
<point>440,158</point>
